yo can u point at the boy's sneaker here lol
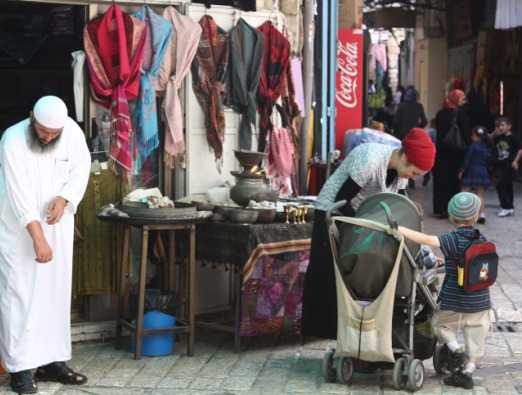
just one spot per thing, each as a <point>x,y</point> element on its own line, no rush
<point>459,379</point>
<point>456,360</point>
<point>506,212</point>
<point>482,219</point>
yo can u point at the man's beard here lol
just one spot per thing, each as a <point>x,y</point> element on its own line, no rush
<point>38,146</point>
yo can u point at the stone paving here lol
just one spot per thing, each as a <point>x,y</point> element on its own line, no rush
<point>284,366</point>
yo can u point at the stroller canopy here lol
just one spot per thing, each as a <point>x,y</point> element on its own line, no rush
<point>366,256</point>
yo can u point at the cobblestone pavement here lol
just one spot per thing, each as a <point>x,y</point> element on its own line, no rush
<point>284,366</point>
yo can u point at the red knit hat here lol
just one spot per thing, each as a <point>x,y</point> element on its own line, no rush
<point>419,149</point>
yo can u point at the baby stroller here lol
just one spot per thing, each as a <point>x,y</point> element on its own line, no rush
<point>385,296</point>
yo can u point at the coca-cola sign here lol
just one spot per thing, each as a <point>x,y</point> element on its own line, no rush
<point>349,84</point>
<point>348,71</point>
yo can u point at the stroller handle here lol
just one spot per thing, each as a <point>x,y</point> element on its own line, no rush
<point>334,210</point>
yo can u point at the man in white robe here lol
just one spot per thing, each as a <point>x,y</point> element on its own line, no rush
<point>44,170</point>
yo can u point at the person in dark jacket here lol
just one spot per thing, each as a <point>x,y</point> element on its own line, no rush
<point>410,114</point>
<point>449,160</point>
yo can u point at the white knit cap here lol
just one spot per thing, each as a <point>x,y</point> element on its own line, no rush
<point>50,112</point>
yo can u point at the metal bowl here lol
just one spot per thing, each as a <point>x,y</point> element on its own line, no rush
<point>249,159</point>
<point>266,215</point>
<point>243,216</point>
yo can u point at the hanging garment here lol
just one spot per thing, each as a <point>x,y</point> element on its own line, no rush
<point>35,298</point>
<point>209,73</point>
<point>79,77</point>
<point>114,44</point>
<point>296,67</point>
<point>274,67</point>
<point>246,53</point>
<point>97,253</point>
<point>178,57</point>
<point>509,14</point>
<point>281,161</point>
<point>145,117</point>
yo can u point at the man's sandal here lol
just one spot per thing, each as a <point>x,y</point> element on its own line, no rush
<point>23,382</point>
<point>59,372</point>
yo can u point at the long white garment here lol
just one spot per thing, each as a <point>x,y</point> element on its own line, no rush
<point>509,14</point>
<point>78,82</point>
<point>35,299</point>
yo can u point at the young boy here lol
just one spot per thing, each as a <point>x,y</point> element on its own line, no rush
<point>459,309</point>
<point>508,153</point>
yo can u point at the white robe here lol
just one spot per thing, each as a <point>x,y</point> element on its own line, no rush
<point>35,298</point>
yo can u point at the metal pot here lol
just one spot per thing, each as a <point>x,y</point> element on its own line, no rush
<point>247,189</point>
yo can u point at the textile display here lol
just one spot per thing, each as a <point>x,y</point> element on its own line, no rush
<point>296,67</point>
<point>114,45</point>
<point>78,64</point>
<point>209,74</point>
<point>97,251</point>
<point>145,116</point>
<point>176,65</point>
<point>271,298</point>
<point>274,68</point>
<point>509,14</point>
<point>246,53</point>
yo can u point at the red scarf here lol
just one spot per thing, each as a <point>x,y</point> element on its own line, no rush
<point>114,45</point>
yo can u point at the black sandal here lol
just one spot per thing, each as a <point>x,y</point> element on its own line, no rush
<point>59,372</point>
<point>23,382</point>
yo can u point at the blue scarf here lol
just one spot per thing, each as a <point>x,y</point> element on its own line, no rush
<point>145,115</point>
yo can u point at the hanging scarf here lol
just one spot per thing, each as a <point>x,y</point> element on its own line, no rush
<point>209,72</point>
<point>274,68</point>
<point>246,53</point>
<point>145,116</point>
<point>114,44</point>
<point>180,53</point>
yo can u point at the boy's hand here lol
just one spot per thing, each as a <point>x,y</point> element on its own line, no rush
<point>461,172</point>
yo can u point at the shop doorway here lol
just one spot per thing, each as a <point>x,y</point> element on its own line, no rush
<point>36,42</point>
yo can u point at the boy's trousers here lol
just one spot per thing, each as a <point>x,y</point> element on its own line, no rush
<point>505,187</point>
<point>475,327</point>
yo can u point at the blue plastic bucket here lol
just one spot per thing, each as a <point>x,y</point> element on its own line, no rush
<point>156,345</point>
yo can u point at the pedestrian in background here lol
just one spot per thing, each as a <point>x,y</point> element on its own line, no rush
<point>507,155</point>
<point>449,159</point>
<point>475,174</point>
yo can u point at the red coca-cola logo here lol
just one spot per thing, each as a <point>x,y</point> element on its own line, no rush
<point>347,63</point>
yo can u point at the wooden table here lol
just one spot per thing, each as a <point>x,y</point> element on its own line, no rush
<point>145,225</point>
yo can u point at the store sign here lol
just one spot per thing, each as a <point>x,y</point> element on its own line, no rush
<point>349,83</point>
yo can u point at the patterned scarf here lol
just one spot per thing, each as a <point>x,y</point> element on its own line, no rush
<point>246,53</point>
<point>209,72</point>
<point>274,67</point>
<point>114,44</point>
<point>145,116</point>
<point>179,56</point>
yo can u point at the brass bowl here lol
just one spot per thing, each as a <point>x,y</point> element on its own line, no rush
<point>266,215</point>
<point>249,159</point>
<point>243,216</point>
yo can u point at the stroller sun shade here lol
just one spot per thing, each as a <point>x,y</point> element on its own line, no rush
<point>366,256</point>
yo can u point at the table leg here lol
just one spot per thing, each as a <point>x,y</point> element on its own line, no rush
<point>141,291</point>
<point>172,261</point>
<point>122,286</point>
<point>237,308</point>
<point>191,290</point>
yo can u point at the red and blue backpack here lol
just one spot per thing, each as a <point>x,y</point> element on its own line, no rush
<point>479,266</point>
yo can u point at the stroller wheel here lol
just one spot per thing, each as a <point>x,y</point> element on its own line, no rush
<point>415,375</point>
<point>400,373</point>
<point>440,359</point>
<point>345,370</point>
<point>328,369</point>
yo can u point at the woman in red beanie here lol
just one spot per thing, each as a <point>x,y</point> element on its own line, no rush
<point>449,160</point>
<point>368,169</point>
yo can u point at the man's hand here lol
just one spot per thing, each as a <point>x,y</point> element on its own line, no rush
<point>514,165</point>
<point>42,250</point>
<point>55,210</point>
